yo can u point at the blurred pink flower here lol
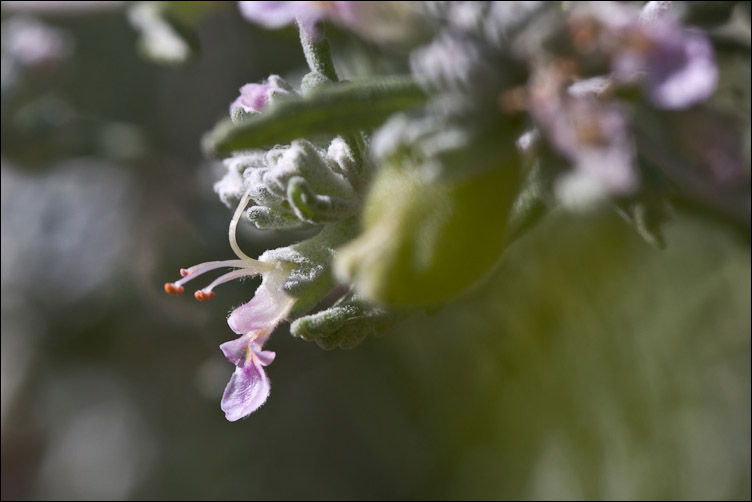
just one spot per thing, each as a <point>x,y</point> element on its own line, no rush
<point>674,64</point>
<point>678,63</point>
<point>374,20</point>
<point>279,14</point>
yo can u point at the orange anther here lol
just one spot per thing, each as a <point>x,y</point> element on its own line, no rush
<point>172,289</point>
<point>202,296</point>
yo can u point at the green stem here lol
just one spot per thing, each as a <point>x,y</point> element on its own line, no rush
<point>319,58</point>
<point>318,54</point>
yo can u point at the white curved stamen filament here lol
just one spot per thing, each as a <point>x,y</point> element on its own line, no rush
<point>234,225</point>
<point>197,270</point>
<point>245,265</point>
<point>229,276</point>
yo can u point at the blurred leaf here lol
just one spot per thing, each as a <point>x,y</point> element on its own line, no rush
<point>426,240</point>
<point>347,323</point>
<point>165,36</point>
<point>683,148</point>
<point>531,203</point>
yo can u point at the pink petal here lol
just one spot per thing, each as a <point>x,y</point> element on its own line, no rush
<point>279,14</point>
<point>235,350</point>
<point>681,70</point>
<point>246,391</point>
<point>253,98</point>
<point>270,14</point>
<point>264,311</point>
<point>265,357</point>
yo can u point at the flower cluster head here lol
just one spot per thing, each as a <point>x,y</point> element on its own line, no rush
<point>413,186</point>
<point>293,185</point>
<point>675,65</point>
<point>566,70</point>
<point>294,279</point>
<point>288,186</point>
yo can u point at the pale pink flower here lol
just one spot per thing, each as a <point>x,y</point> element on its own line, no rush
<point>249,386</point>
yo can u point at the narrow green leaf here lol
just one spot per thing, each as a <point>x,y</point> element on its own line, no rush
<point>335,109</point>
<point>345,324</point>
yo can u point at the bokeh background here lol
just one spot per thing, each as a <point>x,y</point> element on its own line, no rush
<point>589,365</point>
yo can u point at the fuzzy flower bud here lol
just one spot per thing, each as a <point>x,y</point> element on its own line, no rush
<point>255,97</point>
<point>293,185</point>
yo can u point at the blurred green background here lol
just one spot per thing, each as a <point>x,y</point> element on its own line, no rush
<point>589,365</point>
